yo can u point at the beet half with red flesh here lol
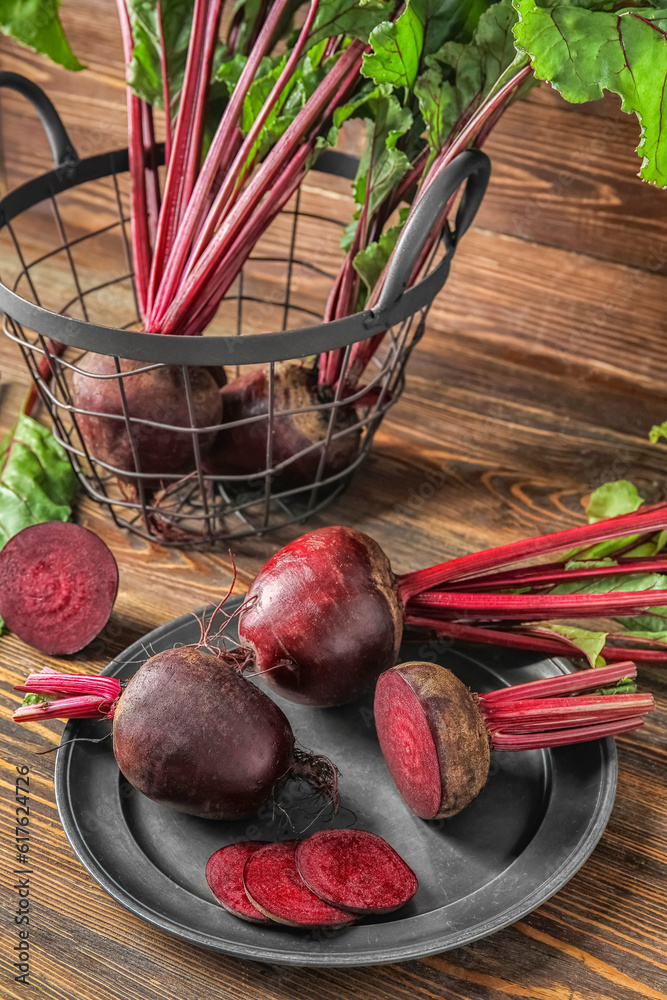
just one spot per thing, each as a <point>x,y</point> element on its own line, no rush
<point>355,870</point>
<point>242,450</point>
<point>224,874</point>
<point>323,617</point>
<point>58,584</point>
<point>157,395</point>
<point>273,884</point>
<point>436,736</point>
<point>190,732</point>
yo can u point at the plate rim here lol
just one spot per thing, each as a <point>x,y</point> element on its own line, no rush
<point>446,941</point>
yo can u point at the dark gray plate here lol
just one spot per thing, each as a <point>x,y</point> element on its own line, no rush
<point>534,824</point>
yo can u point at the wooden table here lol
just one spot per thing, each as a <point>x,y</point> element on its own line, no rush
<point>543,367</point>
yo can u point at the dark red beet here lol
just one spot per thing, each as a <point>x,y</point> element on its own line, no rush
<point>356,871</point>
<point>273,884</point>
<point>224,874</point>
<point>323,617</point>
<point>436,736</point>
<point>242,450</point>
<point>58,584</point>
<point>158,395</point>
<point>190,731</point>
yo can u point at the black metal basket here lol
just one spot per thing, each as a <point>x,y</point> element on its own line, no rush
<point>284,283</point>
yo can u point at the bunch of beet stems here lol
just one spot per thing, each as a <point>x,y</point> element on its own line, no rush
<point>552,712</point>
<point>471,130</point>
<point>191,240</point>
<point>466,598</point>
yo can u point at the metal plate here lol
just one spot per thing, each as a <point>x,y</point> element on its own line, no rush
<point>532,827</point>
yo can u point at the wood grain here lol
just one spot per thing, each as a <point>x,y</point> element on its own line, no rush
<point>541,371</point>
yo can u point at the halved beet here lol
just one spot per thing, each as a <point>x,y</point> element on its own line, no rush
<point>356,871</point>
<point>433,738</point>
<point>273,884</point>
<point>58,584</point>
<point>224,874</point>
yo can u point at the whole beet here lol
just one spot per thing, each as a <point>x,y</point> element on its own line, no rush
<point>190,732</point>
<point>242,450</point>
<point>323,617</point>
<point>159,395</point>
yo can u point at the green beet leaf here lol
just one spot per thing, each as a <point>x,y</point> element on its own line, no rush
<point>584,50</point>
<point>36,23</point>
<point>589,642</point>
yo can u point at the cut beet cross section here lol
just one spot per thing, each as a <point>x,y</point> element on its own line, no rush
<point>274,885</point>
<point>356,871</point>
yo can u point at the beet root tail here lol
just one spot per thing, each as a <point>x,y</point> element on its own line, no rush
<point>321,774</point>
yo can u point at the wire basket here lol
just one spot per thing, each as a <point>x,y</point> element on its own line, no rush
<point>72,295</point>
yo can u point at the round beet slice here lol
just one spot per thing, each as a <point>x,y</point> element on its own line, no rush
<point>274,885</point>
<point>58,584</point>
<point>356,871</point>
<point>224,874</point>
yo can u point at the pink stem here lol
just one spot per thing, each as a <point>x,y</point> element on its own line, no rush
<point>81,707</point>
<point>530,607</point>
<point>550,687</point>
<point>233,175</point>
<point>166,97</point>
<point>55,683</point>
<point>151,169</point>
<point>218,158</point>
<point>650,519</point>
<point>141,243</point>
<point>233,262</point>
<point>337,83</point>
<point>584,734</point>
<point>529,716</point>
<point>186,146</point>
<point>530,639</point>
<point>557,574</point>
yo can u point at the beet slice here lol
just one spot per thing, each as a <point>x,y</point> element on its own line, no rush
<point>58,584</point>
<point>224,874</point>
<point>356,871</point>
<point>274,885</point>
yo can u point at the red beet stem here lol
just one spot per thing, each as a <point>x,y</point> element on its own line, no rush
<point>532,639</point>
<point>529,716</point>
<point>549,687</point>
<point>650,519</point>
<point>219,157</point>
<point>556,574</point>
<point>81,707</point>
<point>186,144</point>
<point>55,683</point>
<point>141,244</point>
<point>534,607</point>
<point>336,82</point>
<point>537,741</point>
<point>75,696</point>
<point>166,100</point>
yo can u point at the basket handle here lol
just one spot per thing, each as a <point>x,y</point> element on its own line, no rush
<point>65,157</point>
<point>472,167</point>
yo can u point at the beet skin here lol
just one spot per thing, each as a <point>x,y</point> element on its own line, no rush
<point>190,732</point>
<point>323,617</point>
<point>159,395</point>
<point>242,450</point>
